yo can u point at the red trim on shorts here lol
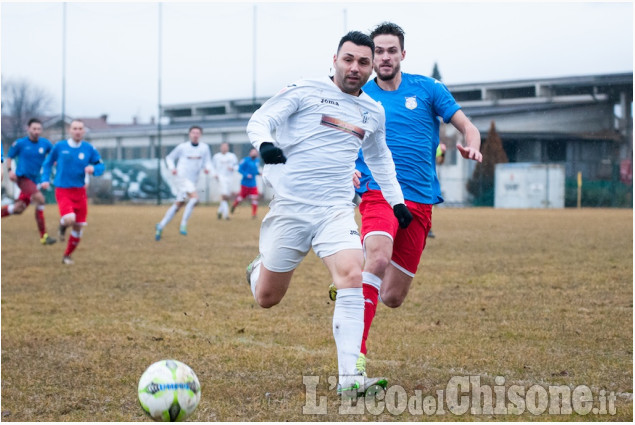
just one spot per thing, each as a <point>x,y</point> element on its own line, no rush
<point>409,243</point>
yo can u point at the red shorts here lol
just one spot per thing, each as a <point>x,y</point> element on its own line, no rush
<point>72,200</point>
<point>246,191</point>
<point>27,189</point>
<point>408,244</point>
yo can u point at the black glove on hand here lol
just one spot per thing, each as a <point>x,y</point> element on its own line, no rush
<point>271,154</point>
<point>404,217</point>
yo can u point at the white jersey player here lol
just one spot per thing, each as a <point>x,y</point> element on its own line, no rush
<point>185,162</point>
<point>320,126</point>
<point>226,165</point>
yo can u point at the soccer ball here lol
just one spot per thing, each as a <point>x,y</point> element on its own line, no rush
<point>169,391</point>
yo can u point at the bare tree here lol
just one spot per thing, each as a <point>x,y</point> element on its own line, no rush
<point>481,185</point>
<point>21,101</point>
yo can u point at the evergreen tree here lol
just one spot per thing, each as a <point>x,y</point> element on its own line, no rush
<point>435,72</point>
<point>481,185</point>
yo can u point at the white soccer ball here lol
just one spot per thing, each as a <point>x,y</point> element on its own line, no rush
<point>169,391</point>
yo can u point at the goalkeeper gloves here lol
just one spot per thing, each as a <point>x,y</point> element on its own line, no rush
<point>404,217</point>
<point>271,154</point>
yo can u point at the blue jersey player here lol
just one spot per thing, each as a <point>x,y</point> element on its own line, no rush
<point>249,168</point>
<point>413,105</point>
<point>30,152</point>
<point>74,158</point>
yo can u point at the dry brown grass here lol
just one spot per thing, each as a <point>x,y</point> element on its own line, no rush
<point>539,297</point>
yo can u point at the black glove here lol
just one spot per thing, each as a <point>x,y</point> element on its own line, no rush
<point>271,154</point>
<point>404,217</point>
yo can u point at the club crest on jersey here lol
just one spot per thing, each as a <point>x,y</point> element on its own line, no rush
<point>411,102</point>
<point>365,115</point>
<point>41,150</point>
<point>81,155</point>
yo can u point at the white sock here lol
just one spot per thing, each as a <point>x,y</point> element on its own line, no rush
<point>348,328</point>
<point>371,279</point>
<point>168,216</point>
<point>224,208</point>
<point>40,207</point>
<point>255,274</point>
<point>10,209</point>
<point>188,210</point>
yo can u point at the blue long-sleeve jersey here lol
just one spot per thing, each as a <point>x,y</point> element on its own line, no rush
<point>71,162</point>
<point>247,167</point>
<point>31,156</point>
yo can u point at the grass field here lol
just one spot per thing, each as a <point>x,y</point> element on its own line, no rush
<point>537,297</point>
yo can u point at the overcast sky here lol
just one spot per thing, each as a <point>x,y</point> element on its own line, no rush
<point>208,49</point>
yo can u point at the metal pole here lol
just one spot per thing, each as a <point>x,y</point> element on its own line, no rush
<point>345,17</point>
<point>159,112</point>
<point>254,32</point>
<point>63,71</point>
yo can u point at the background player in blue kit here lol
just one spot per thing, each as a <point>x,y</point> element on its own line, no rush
<point>249,167</point>
<point>74,158</point>
<point>30,152</point>
<point>413,104</point>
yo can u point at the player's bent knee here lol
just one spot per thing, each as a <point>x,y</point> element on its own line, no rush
<point>267,300</point>
<point>19,207</point>
<point>69,219</point>
<point>392,301</point>
<point>377,264</point>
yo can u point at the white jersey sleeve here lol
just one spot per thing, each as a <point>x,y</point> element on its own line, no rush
<point>207,160</point>
<point>173,156</point>
<point>381,165</point>
<point>272,114</point>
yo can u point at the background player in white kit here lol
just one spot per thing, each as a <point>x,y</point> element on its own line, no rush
<point>186,162</point>
<point>320,126</point>
<point>226,164</point>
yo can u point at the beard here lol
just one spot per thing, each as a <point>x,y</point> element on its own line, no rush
<point>387,77</point>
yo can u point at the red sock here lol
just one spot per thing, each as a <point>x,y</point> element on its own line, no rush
<point>72,244</point>
<point>254,208</point>
<point>5,211</point>
<point>235,204</point>
<point>371,294</point>
<point>39,218</point>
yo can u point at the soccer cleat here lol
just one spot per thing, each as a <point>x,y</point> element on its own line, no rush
<point>157,233</point>
<point>361,364</point>
<point>47,240</point>
<point>233,209</point>
<point>362,386</point>
<point>183,230</point>
<point>332,292</point>
<point>219,215</point>
<point>431,234</point>
<point>67,260</point>
<point>61,233</point>
<point>252,266</point>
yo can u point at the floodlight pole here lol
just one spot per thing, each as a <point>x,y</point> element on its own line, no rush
<point>158,150</point>
<point>254,57</point>
<point>63,71</point>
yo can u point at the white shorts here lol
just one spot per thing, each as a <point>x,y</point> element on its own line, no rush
<point>289,230</point>
<point>184,187</point>
<point>224,186</point>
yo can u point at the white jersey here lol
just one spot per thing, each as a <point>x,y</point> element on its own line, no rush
<point>226,164</point>
<point>189,160</point>
<point>320,129</point>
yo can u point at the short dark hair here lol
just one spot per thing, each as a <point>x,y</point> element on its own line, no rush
<point>388,28</point>
<point>33,121</point>
<point>193,127</point>
<point>358,38</point>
